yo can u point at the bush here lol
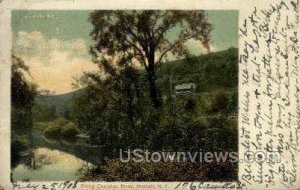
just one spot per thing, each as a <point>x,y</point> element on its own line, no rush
<point>70,130</point>
<point>180,127</point>
<point>53,131</point>
<point>221,135</point>
<point>61,122</point>
<point>220,104</point>
<point>61,127</point>
<point>115,170</point>
<point>19,143</point>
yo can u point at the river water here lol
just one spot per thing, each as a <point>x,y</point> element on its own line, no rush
<point>55,159</point>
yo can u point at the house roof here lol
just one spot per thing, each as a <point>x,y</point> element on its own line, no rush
<point>185,86</point>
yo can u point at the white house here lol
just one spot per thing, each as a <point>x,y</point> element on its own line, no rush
<point>184,89</point>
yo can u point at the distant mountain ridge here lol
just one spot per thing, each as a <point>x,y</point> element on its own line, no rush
<point>60,101</point>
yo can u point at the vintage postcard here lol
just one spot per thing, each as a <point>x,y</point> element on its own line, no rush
<point>149,95</point>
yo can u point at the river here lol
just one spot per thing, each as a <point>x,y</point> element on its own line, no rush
<point>55,159</point>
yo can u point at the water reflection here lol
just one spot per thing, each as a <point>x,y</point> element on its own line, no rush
<point>38,158</point>
<point>44,164</point>
<point>54,159</point>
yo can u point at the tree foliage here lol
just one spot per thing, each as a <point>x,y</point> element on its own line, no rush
<point>23,93</point>
<point>22,100</point>
<point>61,127</point>
<point>43,112</point>
<point>115,109</point>
<point>145,37</point>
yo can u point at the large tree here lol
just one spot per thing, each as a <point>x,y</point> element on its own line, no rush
<point>147,37</point>
<point>23,93</point>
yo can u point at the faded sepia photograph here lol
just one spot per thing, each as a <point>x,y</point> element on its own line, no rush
<point>124,95</point>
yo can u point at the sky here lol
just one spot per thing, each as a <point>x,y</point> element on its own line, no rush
<point>55,43</point>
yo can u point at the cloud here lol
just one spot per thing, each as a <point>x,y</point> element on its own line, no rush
<point>197,49</point>
<point>53,62</point>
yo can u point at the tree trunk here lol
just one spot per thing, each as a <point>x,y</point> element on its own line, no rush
<point>152,81</point>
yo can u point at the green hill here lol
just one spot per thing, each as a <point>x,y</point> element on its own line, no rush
<point>59,102</point>
<point>212,72</point>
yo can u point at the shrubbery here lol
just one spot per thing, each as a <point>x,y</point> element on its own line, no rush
<point>182,128</point>
<point>52,130</point>
<point>114,170</point>
<point>19,143</point>
<point>178,127</point>
<point>61,127</point>
<point>70,130</point>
